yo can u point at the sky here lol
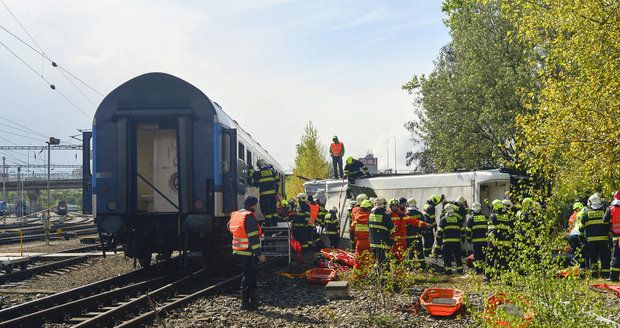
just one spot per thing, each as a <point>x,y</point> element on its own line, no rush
<point>273,65</point>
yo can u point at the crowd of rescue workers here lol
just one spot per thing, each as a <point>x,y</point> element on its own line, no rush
<point>380,229</point>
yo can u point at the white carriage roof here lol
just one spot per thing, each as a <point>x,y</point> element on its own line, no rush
<point>227,121</point>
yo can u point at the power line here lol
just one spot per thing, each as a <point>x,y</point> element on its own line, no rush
<point>53,87</point>
<point>54,64</point>
<point>25,127</point>
<point>21,130</point>
<point>22,26</point>
<point>20,135</point>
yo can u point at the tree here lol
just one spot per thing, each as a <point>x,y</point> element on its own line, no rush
<point>310,161</point>
<point>569,133</point>
<point>466,107</point>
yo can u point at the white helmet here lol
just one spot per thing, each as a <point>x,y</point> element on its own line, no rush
<point>412,203</point>
<point>380,202</point>
<point>449,208</point>
<point>476,207</point>
<point>334,209</point>
<point>360,198</point>
<point>594,200</point>
<point>302,196</point>
<point>507,203</point>
<point>461,200</point>
<point>260,162</point>
<point>372,200</point>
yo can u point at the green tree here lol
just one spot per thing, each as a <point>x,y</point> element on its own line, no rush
<point>310,161</point>
<point>466,108</point>
<point>570,131</point>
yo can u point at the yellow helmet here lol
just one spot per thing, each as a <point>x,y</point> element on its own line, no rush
<point>350,160</point>
<point>435,199</point>
<point>366,204</point>
<point>497,205</point>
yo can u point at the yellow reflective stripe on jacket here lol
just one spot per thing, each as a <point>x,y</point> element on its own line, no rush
<point>246,253</point>
<point>479,226</point>
<point>253,233</point>
<point>598,238</point>
<point>452,228</point>
<point>479,240</point>
<point>502,227</point>
<point>268,192</point>
<point>376,226</point>
<point>325,232</point>
<point>384,246</point>
<point>591,222</point>
<point>452,240</point>
<point>267,179</point>
<point>361,227</point>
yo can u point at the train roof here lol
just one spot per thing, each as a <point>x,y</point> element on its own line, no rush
<point>423,180</point>
<point>165,91</point>
<point>228,122</point>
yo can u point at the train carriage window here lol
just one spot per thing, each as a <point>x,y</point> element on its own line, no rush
<point>248,158</point>
<point>241,151</point>
<point>225,153</point>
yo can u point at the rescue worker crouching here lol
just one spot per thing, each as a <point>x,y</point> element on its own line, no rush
<point>476,229</point>
<point>331,227</point>
<point>246,234</point>
<point>354,169</point>
<point>451,233</point>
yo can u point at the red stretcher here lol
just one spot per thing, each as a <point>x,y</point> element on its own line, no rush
<point>339,255</point>
<point>614,289</point>
<point>321,275</point>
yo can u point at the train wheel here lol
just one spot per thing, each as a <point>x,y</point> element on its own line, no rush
<point>145,261</point>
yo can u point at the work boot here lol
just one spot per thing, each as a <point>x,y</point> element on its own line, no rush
<point>254,298</point>
<point>246,305</point>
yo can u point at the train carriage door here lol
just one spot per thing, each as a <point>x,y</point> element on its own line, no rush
<point>229,170</point>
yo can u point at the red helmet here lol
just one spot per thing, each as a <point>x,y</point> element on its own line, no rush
<point>617,195</point>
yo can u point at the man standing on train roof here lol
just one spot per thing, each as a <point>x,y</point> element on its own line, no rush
<point>336,150</point>
<point>246,234</point>
<point>354,169</point>
<point>267,181</point>
<point>429,217</point>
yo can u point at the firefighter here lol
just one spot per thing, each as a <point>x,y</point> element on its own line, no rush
<point>354,169</point>
<point>501,236</point>
<point>300,222</point>
<point>612,215</point>
<point>331,227</point>
<point>400,233</point>
<point>358,200</point>
<point>352,205</point>
<point>323,213</point>
<point>597,232</point>
<point>359,233</point>
<point>246,234</point>
<point>575,238</point>
<point>267,181</point>
<point>380,227</point>
<point>415,225</point>
<point>313,237</point>
<point>476,231</point>
<point>451,233</point>
<point>429,217</point>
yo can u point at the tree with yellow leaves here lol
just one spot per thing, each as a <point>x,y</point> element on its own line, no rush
<point>310,162</point>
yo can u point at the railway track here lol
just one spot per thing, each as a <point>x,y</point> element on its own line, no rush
<point>127,300</point>
<point>39,234</point>
<point>53,267</point>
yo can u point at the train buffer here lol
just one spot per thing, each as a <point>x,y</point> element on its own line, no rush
<point>277,240</point>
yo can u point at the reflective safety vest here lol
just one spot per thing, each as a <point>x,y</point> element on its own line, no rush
<point>336,149</point>
<point>314,214</point>
<point>240,238</point>
<point>615,219</point>
<point>360,225</point>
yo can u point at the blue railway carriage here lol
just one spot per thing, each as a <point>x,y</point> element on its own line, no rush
<point>168,168</point>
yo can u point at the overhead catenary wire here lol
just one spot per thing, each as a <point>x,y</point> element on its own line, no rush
<point>52,86</point>
<point>54,64</point>
<point>22,130</point>
<point>25,127</point>
<point>20,135</point>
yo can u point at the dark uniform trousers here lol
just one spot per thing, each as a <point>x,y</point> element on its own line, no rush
<point>480,256</point>
<point>300,232</point>
<point>248,273</point>
<point>429,240</point>
<point>599,250</point>
<point>415,250</point>
<point>269,207</point>
<point>615,261</point>
<point>450,251</point>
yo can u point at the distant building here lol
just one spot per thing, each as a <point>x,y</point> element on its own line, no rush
<point>371,162</point>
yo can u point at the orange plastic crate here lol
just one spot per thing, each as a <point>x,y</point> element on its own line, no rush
<point>441,302</point>
<point>525,314</point>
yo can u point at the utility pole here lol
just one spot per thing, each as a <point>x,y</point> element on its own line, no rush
<point>4,178</point>
<point>52,141</point>
<point>395,163</point>
<point>387,149</point>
